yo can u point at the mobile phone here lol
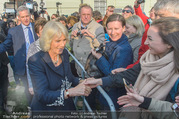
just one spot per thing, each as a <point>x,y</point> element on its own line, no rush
<point>175,109</point>
<point>126,84</point>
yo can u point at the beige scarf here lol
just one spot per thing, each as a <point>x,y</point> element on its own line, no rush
<point>157,76</point>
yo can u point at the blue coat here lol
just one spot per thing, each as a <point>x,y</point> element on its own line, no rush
<point>16,39</point>
<point>119,56</point>
<point>50,82</point>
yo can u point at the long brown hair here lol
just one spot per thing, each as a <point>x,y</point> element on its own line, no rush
<point>168,28</point>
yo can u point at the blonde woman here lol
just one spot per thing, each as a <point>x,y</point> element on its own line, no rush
<point>51,74</point>
<point>134,30</point>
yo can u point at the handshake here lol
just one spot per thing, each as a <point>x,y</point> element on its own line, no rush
<point>84,88</point>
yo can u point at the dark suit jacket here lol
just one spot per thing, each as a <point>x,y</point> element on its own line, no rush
<point>3,56</point>
<point>50,82</point>
<point>16,39</point>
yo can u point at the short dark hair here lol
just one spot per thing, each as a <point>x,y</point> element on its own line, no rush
<point>39,22</point>
<point>54,15</point>
<point>111,6</point>
<point>130,7</point>
<point>116,17</point>
<point>62,18</point>
<point>97,15</point>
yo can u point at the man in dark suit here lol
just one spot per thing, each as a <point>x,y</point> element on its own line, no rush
<point>20,38</point>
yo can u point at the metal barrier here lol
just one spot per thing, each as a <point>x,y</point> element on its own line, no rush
<point>105,95</point>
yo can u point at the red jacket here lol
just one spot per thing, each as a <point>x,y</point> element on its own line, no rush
<point>143,48</point>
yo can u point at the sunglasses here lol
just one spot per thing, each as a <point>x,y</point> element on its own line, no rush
<point>127,11</point>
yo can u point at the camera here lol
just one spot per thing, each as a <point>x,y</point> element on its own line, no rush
<point>58,3</point>
<point>42,9</point>
<point>79,34</point>
<point>140,1</point>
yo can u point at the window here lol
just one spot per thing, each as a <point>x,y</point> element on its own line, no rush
<point>100,5</point>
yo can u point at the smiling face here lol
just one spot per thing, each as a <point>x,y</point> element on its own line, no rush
<point>85,15</point>
<point>115,30</point>
<point>58,44</point>
<point>130,29</point>
<point>126,13</point>
<point>24,17</point>
<point>155,43</point>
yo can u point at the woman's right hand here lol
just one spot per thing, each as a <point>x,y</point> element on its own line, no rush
<point>97,55</point>
<point>136,5</point>
<point>80,90</point>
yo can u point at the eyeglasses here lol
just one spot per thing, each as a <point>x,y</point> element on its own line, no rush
<point>127,11</point>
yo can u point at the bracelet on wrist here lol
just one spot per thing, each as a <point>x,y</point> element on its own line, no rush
<point>67,93</point>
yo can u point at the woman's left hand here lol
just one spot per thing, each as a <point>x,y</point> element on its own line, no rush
<point>131,99</point>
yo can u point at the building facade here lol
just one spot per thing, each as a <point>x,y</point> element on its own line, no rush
<point>67,7</point>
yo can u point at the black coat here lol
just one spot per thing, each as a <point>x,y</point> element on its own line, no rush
<point>3,56</point>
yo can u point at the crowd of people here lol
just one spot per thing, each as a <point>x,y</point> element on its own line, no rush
<point>139,65</point>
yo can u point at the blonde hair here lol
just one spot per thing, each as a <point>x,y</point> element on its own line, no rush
<point>137,23</point>
<point>50,30</point>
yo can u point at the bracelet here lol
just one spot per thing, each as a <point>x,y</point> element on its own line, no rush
<point>67,93</point>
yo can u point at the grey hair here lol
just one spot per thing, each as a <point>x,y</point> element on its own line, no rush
<point>169,5</point>
<point>22,8</point>
<point>85,6</point>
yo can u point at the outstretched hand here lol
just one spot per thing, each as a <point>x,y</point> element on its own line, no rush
<point>118,70</point>
<point>93,83</point>
<point>131,99</point>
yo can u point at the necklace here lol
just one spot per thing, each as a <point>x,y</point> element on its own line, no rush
<point>55,62</point>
